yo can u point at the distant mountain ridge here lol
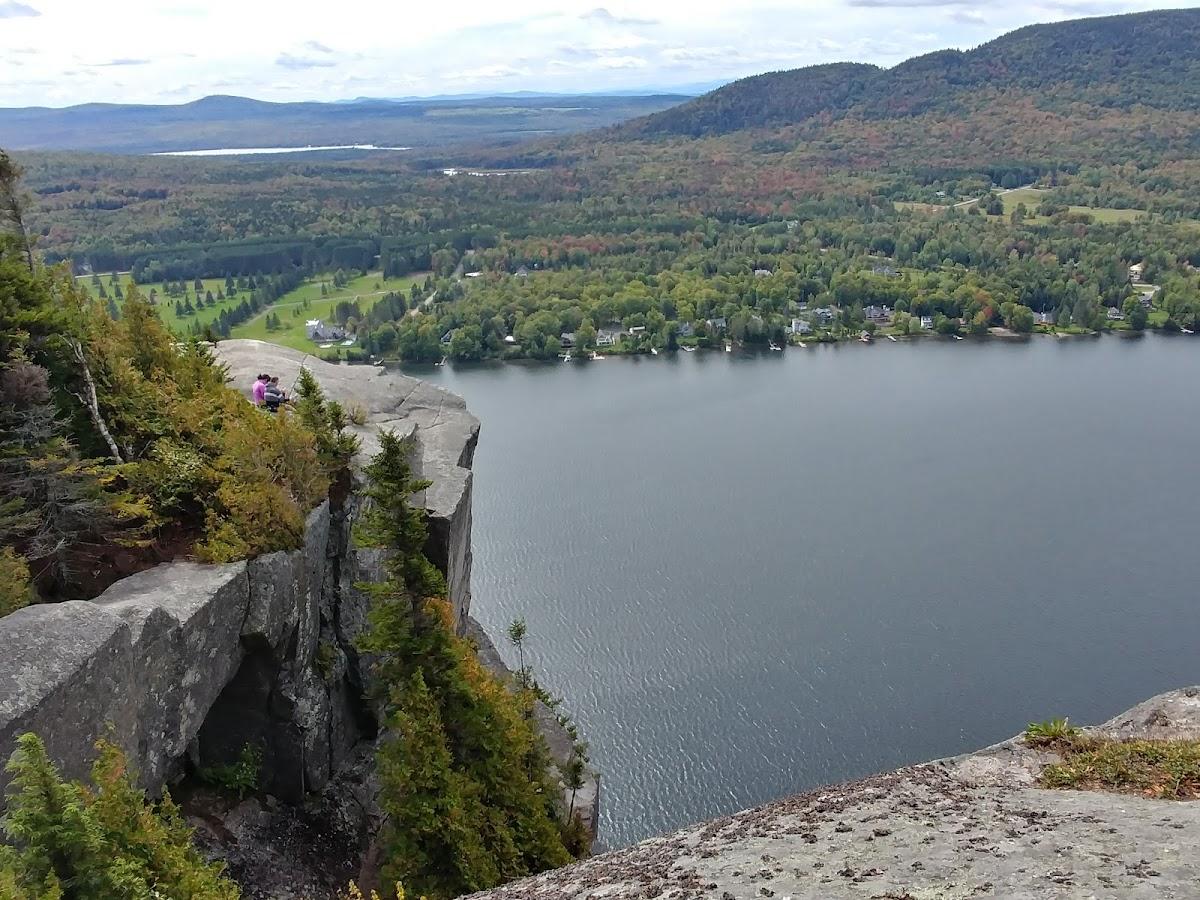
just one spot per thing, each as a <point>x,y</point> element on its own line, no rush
<point>231,121</point>
<point>1151,59</point>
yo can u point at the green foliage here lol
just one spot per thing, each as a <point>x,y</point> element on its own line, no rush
<point>1164,769</point>
<point>16,591</point>
<point>1049,732</point>
<point>326,657</point>
<point>394,523</point>
<point>111,430</point>
<point>102,840</point>
<point>464,774</point>
<point>239,778</point>
<point>327,421</point>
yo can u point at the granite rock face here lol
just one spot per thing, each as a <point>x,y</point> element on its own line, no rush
<point>975,825</point>
<point>444,434</point>
<point>187,663</point>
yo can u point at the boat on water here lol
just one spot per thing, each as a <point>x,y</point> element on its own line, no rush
<point>892,338</point>
<point>566,357</point>
<point>1187,331</point>
<point>654,350</point>
<point>595,356</point>
<point>958,337</point>
<point>729,346</point>
<point>773,345</point>
<point>802,345</point>
<point>689,349</point>
<point>865,337</point>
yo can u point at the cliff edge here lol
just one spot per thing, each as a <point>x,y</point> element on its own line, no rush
<point>975,825</point>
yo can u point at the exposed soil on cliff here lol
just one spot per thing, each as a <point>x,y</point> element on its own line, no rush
<point>272,850</point>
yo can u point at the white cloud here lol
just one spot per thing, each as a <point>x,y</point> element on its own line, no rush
<point>11,9</point>
<point>186,49</point>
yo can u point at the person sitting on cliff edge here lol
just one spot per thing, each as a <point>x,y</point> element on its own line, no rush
<point>258,395</point>
<point>273,395</point>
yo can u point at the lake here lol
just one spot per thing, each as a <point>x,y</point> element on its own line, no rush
<point>256,151</point>
<point>752,575</point>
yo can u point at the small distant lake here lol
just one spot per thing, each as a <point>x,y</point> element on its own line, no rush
<point>752,575</point>
<point>252,151</point>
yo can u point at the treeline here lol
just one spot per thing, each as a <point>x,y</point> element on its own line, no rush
<point>749,282</point>
<point>264,292</point>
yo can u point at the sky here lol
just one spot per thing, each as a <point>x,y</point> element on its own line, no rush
<point>62,52</point>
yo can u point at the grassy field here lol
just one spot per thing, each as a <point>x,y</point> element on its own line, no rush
<point>1032,197</point>
<point>166,305</point>
<point>305,302</point>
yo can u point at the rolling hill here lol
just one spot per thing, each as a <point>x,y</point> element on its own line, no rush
<point>1115,62</point>
<point>221,121</point>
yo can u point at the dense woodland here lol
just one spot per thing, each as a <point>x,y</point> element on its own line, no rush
<point>840,181</point>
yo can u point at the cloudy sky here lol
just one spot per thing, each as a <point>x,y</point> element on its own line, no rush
<point>60,52</point>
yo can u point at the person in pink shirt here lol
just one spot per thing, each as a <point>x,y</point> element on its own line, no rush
<point>259,394</point>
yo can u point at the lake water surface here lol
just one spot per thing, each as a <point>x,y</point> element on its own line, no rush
<point>752,575</point>
<point>258,151</point>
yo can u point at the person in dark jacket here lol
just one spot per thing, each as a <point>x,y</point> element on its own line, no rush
<point>273,396</point>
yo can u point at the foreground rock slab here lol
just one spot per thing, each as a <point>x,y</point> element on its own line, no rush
<point>972,826</point>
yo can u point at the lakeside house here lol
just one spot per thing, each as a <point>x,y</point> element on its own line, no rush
<point>316,330</point>
<point>1115,314</point>
<point>927,322</point>
<point>566,340</point>
<point>608,335</point>
<point>1136,271</point>
<point>878,313</point>
<point>800,326</point>
<point>717,324</point>
<point>824,314</point>
<point>448,337</point>
<point>1044,318</point>
<point>685,330</point>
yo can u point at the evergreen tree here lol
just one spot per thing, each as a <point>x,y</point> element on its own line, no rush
<point>497,821</point>
<point>102,841</point>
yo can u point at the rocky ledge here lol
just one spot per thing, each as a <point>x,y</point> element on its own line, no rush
<point>975,825</point>
<point>444,432</point>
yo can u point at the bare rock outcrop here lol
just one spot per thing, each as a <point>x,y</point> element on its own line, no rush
<point>975,825</point>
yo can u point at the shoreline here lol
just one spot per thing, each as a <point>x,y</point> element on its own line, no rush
<point>743,350</point>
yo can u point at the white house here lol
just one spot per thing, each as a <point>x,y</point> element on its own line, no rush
<point>801,326</point>
<point>1136,271</point>
<point>927,322</point>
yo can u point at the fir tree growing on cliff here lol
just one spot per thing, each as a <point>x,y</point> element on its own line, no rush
<point>464,809</point>
<point>69,841</point>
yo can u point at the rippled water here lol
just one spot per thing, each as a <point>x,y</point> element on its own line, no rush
<point>752,575</point>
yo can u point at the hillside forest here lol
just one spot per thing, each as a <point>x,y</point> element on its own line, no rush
<point>1048,180</point>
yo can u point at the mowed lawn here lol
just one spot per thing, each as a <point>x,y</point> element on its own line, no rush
<point>166,304</point>
<point>293,313</point>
